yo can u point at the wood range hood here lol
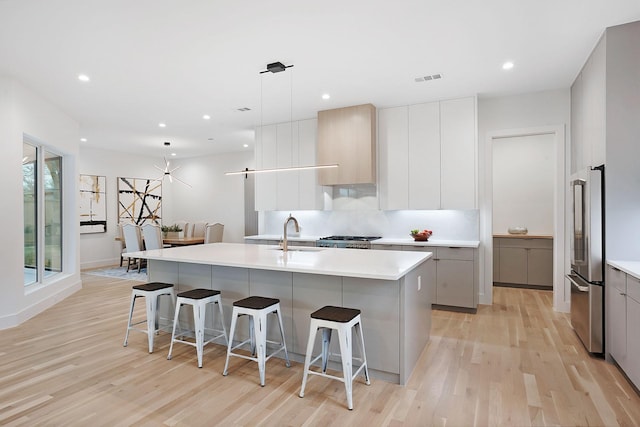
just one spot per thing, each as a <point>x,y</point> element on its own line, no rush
<point>347,136</point>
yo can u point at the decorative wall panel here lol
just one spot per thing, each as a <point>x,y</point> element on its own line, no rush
<point>93,204</point>
<point>139,200</point>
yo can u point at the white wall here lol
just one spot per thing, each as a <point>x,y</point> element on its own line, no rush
<point>523,183</point>
<point>540,112</point>
<point>214,197</point>
<point>101,249</point>
<point>24,112</point>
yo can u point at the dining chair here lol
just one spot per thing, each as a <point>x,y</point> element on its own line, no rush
<point>198,229</point>
<point>213,233</point>
<point>152,235</point>
<point>133,242</point>
<point>123,247</point>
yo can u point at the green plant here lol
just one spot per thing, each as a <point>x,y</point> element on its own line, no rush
<point>171,228</point>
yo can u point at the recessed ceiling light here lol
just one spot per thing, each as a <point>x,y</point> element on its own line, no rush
<point>83,77</point>
<point>162,125</point>
<point>83,139</point>
<point>206,117</point>
<point>245,145</point>
<point>507,65</point>
<point>173,154</point>
<point>326,96</point>
<point>209,139</point>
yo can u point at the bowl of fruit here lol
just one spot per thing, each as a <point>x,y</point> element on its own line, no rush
<point>421,236</point>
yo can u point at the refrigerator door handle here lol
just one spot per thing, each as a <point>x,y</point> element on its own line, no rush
<point>577,285</point>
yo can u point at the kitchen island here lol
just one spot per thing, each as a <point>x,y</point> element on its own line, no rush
<point>393,289</point>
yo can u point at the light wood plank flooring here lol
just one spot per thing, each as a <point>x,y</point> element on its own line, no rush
<point>516,363</point>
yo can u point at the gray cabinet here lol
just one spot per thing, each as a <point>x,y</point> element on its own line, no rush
<point>456,275</point>
<point>623,318</point>
<point>523,261</point>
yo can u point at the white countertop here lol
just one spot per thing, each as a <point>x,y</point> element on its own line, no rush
<point>629,267</point>
<point>384,241</point>
<point>369,264</point>
<point>431,242</point>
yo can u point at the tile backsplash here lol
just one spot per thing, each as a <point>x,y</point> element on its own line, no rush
<point>446,224</point>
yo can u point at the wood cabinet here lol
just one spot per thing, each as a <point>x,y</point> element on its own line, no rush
<point>285,145</point>
<point>347,136</point>
<point>524,261</point>
<point>428,155</point>
<point>623,318</point>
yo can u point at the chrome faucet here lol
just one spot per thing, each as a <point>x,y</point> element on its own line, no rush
<point>284,238</point>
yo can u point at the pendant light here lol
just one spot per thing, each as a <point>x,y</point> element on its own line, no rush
<point>167,172</point>
<point>277,67</point>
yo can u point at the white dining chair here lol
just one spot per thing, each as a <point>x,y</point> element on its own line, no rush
<point>198,229</point>
<point>213,233</point>
<point>152,236</point>
<point>133,242</point>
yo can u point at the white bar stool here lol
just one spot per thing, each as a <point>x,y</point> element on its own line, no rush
<point>198,300</point>
<point>151,292</point>
<point>257,308</point>
<point>342,320</point>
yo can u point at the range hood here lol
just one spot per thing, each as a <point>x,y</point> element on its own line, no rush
<point>347,136</point>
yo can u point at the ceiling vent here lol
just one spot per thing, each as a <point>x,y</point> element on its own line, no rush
<point>427,78</point>
<point>243,109</point>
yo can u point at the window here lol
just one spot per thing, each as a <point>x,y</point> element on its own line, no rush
<point>42,203</point>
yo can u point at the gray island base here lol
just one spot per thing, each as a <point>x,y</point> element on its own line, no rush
<point>393,289</point>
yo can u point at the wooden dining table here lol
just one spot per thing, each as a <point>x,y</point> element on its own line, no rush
<point>178,241</point>
<point>183,241</point>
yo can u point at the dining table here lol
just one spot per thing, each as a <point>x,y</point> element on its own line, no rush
<point>177,241</point>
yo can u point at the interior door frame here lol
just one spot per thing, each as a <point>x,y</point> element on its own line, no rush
<point>561,287</point>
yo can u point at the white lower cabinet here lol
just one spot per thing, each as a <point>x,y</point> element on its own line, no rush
<point>524,261</point>
<point>456,275</point>
<point>623,318</point>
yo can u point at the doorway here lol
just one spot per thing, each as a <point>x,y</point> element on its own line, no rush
<point>522,220</point>
<point>561,289</point>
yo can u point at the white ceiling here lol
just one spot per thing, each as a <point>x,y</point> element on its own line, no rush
<point>172,61</point>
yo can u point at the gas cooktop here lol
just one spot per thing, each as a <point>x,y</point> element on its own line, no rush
<point>349,238</point>
<point>350,242</point>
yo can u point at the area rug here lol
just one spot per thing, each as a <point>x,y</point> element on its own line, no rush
<point>121,273</point>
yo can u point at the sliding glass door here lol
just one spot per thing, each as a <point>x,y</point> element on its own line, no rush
<point>42,190</point>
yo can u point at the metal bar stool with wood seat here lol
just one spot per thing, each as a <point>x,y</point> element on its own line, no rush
<point>198,300</point>
<point>343,320</point>
<point>257,308</point>
<point>151,292</point>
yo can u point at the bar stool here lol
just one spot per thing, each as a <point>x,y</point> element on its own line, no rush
<point>257,308</point>
<point>151,292</point>
<point>342,320</point>
<point>198,300</point>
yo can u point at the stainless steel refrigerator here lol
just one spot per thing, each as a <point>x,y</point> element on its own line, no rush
<point>587,258</point>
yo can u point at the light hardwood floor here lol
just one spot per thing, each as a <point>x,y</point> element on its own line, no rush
<point>516,363</point>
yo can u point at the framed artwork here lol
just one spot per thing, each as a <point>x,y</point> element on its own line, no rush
<point>139,200</point>
<point>93,204</point>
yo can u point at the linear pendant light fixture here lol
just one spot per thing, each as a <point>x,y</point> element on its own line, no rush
<point>277,67</point>
<point>291,168</point>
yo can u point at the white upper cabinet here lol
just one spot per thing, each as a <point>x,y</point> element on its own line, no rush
<point>266,157</point>
<point>428,155</point>
<point>424,156</point>
<point>281,146</point>
<point>393,146</point>
<point>588,111</point>
<point>458,154</point>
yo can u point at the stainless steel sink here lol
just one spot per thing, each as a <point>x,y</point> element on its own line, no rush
<point>300,249</point>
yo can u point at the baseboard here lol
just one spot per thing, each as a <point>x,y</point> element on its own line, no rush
<point>27,313</point>
<point>110,262</point>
